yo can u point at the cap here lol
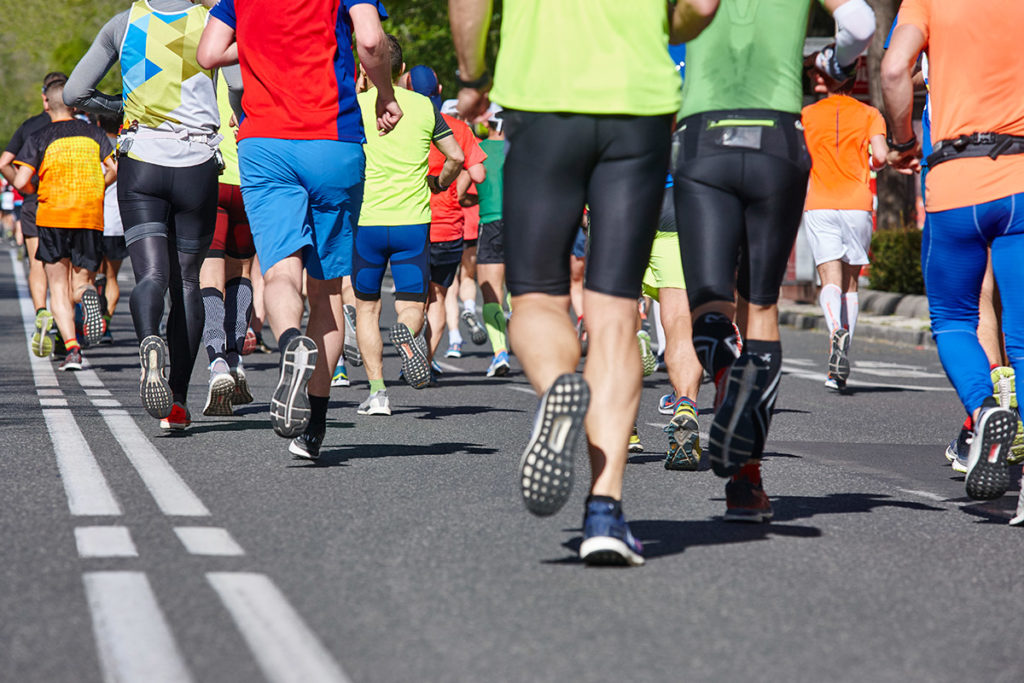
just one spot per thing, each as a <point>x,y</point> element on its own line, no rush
<point>423,80</point>
<point>450,107</point>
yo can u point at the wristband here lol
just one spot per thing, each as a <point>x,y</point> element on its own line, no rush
<point>476,84</point>
<point>902,146</point>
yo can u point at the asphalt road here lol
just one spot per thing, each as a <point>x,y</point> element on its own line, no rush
<point>406,554</point>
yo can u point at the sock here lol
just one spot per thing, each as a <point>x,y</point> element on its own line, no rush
<point>213,329</point>
<point>469,305</point>
<point>494,321</point>
<point>716,342</point>
<point>771,353</point>
<point>831,301</point>
<point>286,337</point>
<point>688,401</point>
<point>852,310</point>
<point>750,472</point>
<point>71,344</point>
<point>454,337</point>
<point>318,412</point>
<point>376,385</point>
<point>659,328</point>
<point>237,312</point>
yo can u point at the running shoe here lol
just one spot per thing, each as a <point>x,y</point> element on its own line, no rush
<point>581,334</point>
<point>436,368</point>
<point>746,501</point>
<point>667,404</point>
<point>546,466</point>
<point>454,350</point>
<point>959,463</point>
<point>634,441</point>
<point>352,354</point>
<point>959,447</point>
<point>1018,518</point>
<point>607,540</point>
<point>1004,389</point>
<point>477,332</point>
<point>289,406</point>
<point>249,343</point>
<point>340,376</point>
<point>415,368</point>
<point>307,445</point>
<point>738,431</point>
<point>107,337</point>
<point>42,341</point>
<point>650,361</point>
<point>72,360</point>
<point>242,393</point>
<point>988,476</point>
<point>178,420</point>
<point>499,366</point>
<point>684,452</point>
<point>92,317</point>
<point>154,390</point>
<point>838,360</point>
<point>376,404</point>
<point>835,384</point>
<point>220,391</point>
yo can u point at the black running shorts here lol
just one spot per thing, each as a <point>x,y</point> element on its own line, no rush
<point>82,246</point>
<point>445,258</point>
<point>28,217</point>
<point>490,246</point>
<point>114,248</point>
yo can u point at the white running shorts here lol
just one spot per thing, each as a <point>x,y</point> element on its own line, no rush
<point>839,235</point>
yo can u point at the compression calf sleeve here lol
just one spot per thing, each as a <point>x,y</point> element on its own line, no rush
<point>831,301</point>
<point>238,309</point>
<point>185,323</point>
<point>852,309</point>
<point>318,412</point>
<point>213,329</point>
<point>716,342</point>
<point>494,321</point>
<point>771,353</point>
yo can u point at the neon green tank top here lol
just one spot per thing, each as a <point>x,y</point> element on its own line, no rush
<point>750,57</point>
<point>228,146</point>
<point>586,57</point>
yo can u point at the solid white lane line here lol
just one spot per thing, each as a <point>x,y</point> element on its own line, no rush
<point>926,494</point>
<point>104,541</point>
<point>803,373</point>
<point>42,369</point>
<point>84,484</point>
<point>285,648</point>
<point>169,490</point>
<point>53,402</point>
<point>208,540</point>
<point>135,643</point>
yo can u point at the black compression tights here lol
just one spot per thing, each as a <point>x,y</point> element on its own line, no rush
<point>159,268</point>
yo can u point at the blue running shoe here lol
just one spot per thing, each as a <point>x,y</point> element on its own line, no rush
<point>340,377</point>
<point>435,368</point>
<point>607,540</point>
<point>667,404</point>
<point>454,350</point>
<point>499,365</point>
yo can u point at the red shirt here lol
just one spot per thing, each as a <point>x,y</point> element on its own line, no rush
<point>447,221</point>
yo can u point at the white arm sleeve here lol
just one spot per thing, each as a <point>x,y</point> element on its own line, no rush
<point>855,25</point>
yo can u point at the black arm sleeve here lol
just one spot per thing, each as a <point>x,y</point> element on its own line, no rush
<point>441,129</point>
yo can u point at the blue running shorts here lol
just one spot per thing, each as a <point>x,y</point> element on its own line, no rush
<point>405,246</point>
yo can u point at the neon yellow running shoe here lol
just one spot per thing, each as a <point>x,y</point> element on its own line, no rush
<point>42,341</point>
<point>650,361</point>
<point>634,442</point>
<point>1004,390</point>
<point>684,451</point>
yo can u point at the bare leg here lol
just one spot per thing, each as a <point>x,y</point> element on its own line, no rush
<point>283,294</point>
<point>684,368</point>
<point>577,267</point>
<point>259,312</point>
<point>371,346</point>
<point>58,277</point>
<point>989,330</point>
<point>451,309</point>
<point>36,274</point>
<point>468,274</point>
<point>326,328</point>
<point>435,317</point>
<point>113,289</point>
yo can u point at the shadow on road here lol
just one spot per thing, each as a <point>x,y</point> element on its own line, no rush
<point>789,508</point>
<point>437,412</point>
<point>338,456</point>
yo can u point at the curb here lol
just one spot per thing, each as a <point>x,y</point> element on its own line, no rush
<point>889,303</point>
<point>874,332</point>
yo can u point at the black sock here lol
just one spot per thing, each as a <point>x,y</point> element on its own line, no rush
<point>318,412</point>
<point>716,342</point>
<point>286,337</point>
<point>769,351</point>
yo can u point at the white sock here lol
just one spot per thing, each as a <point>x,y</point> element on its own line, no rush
<point>454,337</point>
<point>469,305</point>
<point>831,301</point>
<point>852,310</point>
<point>658,327</point>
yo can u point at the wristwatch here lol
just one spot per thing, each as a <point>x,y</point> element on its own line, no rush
<point>477,83</point>
<point>902,146</point>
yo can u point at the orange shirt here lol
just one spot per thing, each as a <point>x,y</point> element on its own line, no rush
<point>838,130</point>
<point>447,221</point>
<point>976,81</point>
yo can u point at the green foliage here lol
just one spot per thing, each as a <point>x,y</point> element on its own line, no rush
<point>896,261</point>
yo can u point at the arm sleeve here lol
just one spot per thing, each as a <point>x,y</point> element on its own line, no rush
<point>855,25</point>
<point>441,129</point>
<point>225,11</point>
<point>233,79</point>
<point>80,90</point>
<point>30,154</point>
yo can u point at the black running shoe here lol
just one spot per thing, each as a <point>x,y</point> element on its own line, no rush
<point>289,406</point>
<point>476,331</point>
<point>737,433</point>
<point>415,368</point>
<point>838,361</point>
<point>546,467</point>
<point>988,476</point>
<point>307,444</point>
<point>92,322</point>
<point>154,390</point>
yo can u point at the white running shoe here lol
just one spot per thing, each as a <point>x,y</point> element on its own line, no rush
<point>376,404</point>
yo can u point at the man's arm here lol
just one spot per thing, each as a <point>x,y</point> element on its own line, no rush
<point>375,56</point>
<point>454,158</point>
<point>109,171</point>
<point>898,94</point>
<point>7,166</point>
<point>470,20</point>
<point>23,179</point>
<point>688,18</point>
<point>855,26</point>
<point>80,90</point>
<point>217,47</point>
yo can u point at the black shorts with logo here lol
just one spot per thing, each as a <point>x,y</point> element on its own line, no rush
<point>84,247</point>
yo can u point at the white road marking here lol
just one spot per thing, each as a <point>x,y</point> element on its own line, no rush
<point>104,541</point>
<point>53,402</point>
<point>797,371</point>
<point>525,390</point>
<point>206,540</point>
<point>50,392</point>
<point>925,494</point>
<point>285,648</point>
<point>106,403</point>
<point>448,367</point>
<point>97,392</point>
<point>42,370</point>
<point>87,377</point>
<point>84,484</point>
<point>167,487</point>
<point>135,643</point>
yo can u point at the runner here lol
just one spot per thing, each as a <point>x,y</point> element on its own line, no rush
<point>115,251</point>
<point>575,138</point>
<point>976,174</point>
<point>846,140</point>
<point>73,162</point>
<point>740,179</point>
<point>301,160</point>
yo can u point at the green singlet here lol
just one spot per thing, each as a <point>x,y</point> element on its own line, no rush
<point>586,57</point>
<point>490,190</point>
<point>750,57</point>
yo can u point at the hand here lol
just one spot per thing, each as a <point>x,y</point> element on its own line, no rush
<point>908,162</point>
<point>473,104</point>
<point>435,185</point>
<point>388,112</point>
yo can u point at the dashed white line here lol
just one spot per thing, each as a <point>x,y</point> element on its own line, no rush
<point>97,392</point>
<point>106,403</point>
<point>135,643</point>
<point>285,648</point>
<point>53,402</point>
<point>104,541</point>
<point>84,484</point>
<point>50,392</point>
<point>206,540</point>
<point>524,390</point>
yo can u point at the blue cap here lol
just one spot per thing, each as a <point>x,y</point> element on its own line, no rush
<point>423,80</point>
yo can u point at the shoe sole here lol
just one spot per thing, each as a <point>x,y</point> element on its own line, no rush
<point>476,331</point>
<point>289,405</point>
<point>70,366</point>
<point>838,359</point>
<point>733,433</point>
<point>500,371</point>
<point>449,354</point>
<point>683,453</point>
<point>154,391</point>
<point>341,382</point>
<point>989,478</point>
<point>375,411</point>
<point>415,368</point>
<point>219,396</point>
<point>352,354</point>
<point>242,393</point>
<point>748,516</point>
<point>606,551</point>
<point>175,427</point>
<point>636,448</point>
<point>299,452</point>
<point>92,323</point>
<point>42,342</point>
<point>546,466</point>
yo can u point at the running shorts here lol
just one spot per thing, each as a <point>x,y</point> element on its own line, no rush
<point>579,245</point>
<point>665,269</point>
<point>406,247</point>
<point>839,235</point>
<point>114,248</point>
<point>178,203</point>
<point>556,164</point>
<point>741,187</point>
<point>28,217</point>
<point>490,246</point>
<point>303,196</point>
<point>445,258</point>
<point>82,246</point>
<point>232,236</point>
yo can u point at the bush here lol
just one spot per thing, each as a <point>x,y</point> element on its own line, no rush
<point>896,261</point>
